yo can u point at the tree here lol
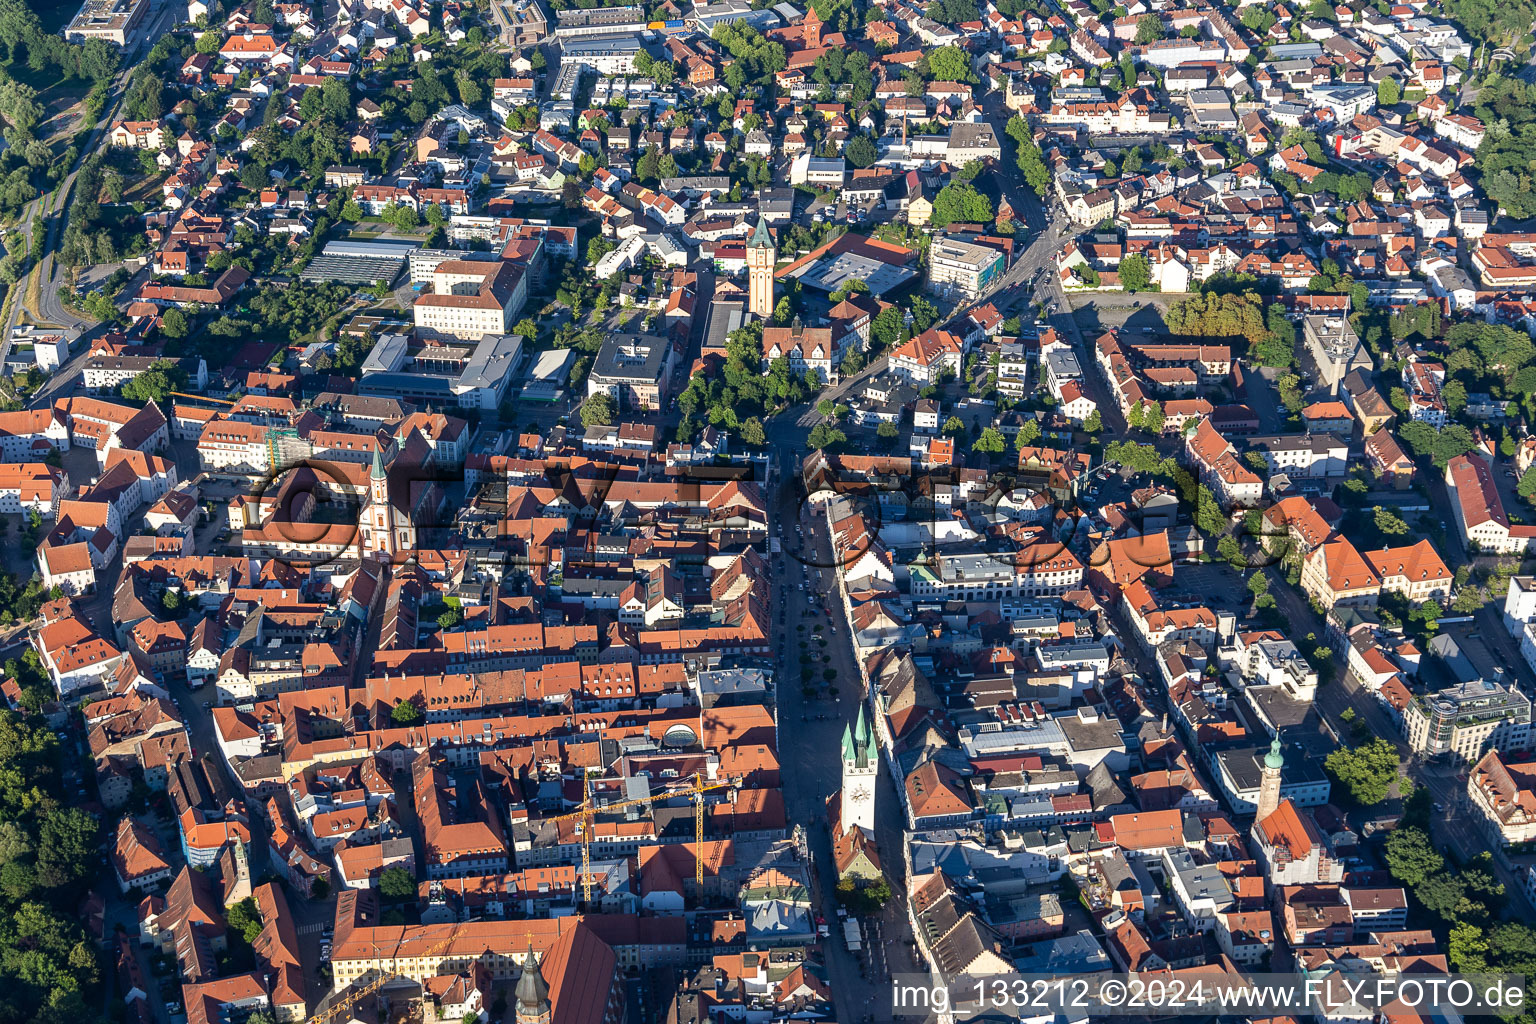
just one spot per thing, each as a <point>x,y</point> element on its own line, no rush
<point>450,617</point>
<point>1149,29</point>
<point>887,432</point>
<point>861,151</point>
<point>1135,273</point>
<point>1367,772</point>
<point>1218,315</point>
<point>404,713</point>
<point>1455,395</point>
<point>924,313</point>
<point>174,323</point>
<point>67,847</point>
<point>1389,522</point>
<point>950,64</point>
<point>824,435</point>
<point>1093,423</point>
<point>1258,584</point>
<point>887,327</point>
<point>990,441</point>
<point>752,432</point>
<point>1028,434</point>
<point>1467,950</point>
<point>156,383</point>
<point>1527,486</point>
<point>1388,92</point>
<point>244,919</point>
<point>1141,458</point>
<point>960,203</point>
<point>396,883</point>
<point>1444,895</point>
<point>597,411</point>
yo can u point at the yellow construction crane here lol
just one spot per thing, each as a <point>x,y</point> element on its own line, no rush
<point>334,1011</point>
<point>584,820</point>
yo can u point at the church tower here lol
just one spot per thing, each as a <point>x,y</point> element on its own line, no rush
<point>861,768</point>
<point>762,253</point>
<point>532,993</point>
<point>379,516</point>
<point>1269,781</point>
<point>810,29</point>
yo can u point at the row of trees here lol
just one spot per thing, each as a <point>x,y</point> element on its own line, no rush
<point>1031,161</point>
<point>1467,900</point>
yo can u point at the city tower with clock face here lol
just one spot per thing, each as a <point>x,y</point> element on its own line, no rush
<point>861,768</point>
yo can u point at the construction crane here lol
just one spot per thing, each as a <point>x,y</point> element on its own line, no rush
<point>334,1012</point>
<point>584,820</point>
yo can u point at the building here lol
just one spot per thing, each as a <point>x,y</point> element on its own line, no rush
<point>1480,517</point>
<point>111,20</point>
<point>922,359</point>
<point>602,21</point>
<point>1292,848</point>
<point>634,370</point>
<point>761,256</point>
<point>606,54</point>
<point>1467,720</point>
<point>1502,796</point>
<point>808,348</point>
<point>471,299</point>
<point>1417,572</point>
<point>1336,574</point>
<point>1335,348</point>
<point>861,767</point>
<point>442,374</point>
<point>962,270</point>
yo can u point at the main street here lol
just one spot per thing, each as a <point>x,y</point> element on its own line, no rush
<point>806,597</point>
<point>810,735</point>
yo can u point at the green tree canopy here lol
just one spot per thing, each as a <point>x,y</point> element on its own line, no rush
<point>396,883</point>
<point>405,713</point>
<point>960,203</point>
<point>1135,273</point>
<point>597,410</point>
<point>1366,772</point>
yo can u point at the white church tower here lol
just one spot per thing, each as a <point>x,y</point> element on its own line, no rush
<point>861,767</point>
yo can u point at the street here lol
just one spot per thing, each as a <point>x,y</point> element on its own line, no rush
<point>810,734</point>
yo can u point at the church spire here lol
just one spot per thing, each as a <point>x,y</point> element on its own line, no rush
<point>761,238</point>
<point>1269,781</point>
<point>532,992</point>
<point>378,464</point>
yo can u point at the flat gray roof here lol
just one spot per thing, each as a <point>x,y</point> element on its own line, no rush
<point>829,275</point>
<point>352,269</point>
<point>493,359</point>
<point>373,248</point>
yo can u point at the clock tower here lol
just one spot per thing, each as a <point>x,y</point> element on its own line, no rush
<point>861,768</point>
<point>762,254</point>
